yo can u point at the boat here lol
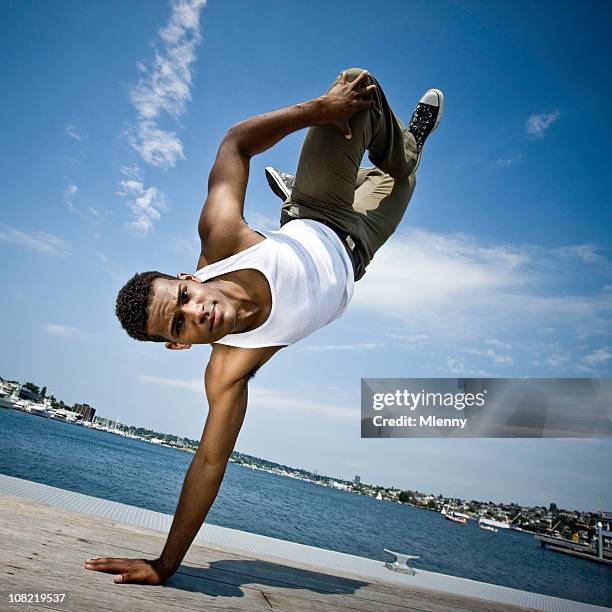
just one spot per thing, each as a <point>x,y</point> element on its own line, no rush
<point>488,527</point>
<point>379,496</point>
<point>455,519</point>
<point>5,400</point>
<point>37,409</point>
<point>494,523</point>
<point>21,405</point>
<point>453,515</point>
<point>449,512</point>
<point>9,397</point>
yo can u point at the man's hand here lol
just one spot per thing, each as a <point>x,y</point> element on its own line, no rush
<point>345,99</point>
<point>130,571</point>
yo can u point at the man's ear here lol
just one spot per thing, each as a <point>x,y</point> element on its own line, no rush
<point>187,276</point>
<point>177,346</point>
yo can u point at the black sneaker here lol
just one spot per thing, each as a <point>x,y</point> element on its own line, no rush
<point>281,183</point>
<point>425,119</point>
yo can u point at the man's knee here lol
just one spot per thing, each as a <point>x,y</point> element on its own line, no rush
<point>351,73</point>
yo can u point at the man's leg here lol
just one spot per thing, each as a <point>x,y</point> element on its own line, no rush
<point>327,174</point>
<point>380,201</point>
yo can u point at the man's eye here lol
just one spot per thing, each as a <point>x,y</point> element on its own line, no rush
<point>179,325</point>
<point>184,295</point>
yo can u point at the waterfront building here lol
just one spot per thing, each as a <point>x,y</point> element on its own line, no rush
<point>86,410</point>
<point>357,480</point>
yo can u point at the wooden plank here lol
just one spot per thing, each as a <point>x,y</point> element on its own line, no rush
<point>395,596</point>
<point>64,539</point>
<point>217,585</point>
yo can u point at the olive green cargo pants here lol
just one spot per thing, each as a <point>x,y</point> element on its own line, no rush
<point>368,203</point>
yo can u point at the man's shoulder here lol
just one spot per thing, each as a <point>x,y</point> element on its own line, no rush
<point>232,363</point>
<point>226,244</point>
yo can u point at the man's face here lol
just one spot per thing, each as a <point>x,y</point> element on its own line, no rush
<point>187,311</point>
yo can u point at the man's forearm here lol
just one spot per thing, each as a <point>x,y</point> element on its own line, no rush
<point>259,133</point>
<point>227,407</point>
<point>337,106</point>
<point>199,491</point>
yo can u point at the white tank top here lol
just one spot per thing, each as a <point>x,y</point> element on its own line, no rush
<point>310,276</point>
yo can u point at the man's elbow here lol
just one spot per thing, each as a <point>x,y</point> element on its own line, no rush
<point>237,137</point>
<point>217,385</point>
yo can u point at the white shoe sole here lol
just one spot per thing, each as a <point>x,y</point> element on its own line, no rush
<point>440,107</point>
<point>276,183</point>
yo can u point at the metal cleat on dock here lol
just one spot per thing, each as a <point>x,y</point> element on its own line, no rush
<point>400,562</point>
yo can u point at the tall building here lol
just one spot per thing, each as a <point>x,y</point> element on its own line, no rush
<point>86,410</point>
<point>357,479</point>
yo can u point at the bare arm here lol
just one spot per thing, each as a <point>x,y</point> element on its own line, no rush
<point>227,408</point>
<point>226,389</point>
<point>221,226</point>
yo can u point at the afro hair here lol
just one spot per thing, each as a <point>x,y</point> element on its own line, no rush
<point>132,307</point>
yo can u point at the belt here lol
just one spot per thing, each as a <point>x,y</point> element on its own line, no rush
<point>349,245</point>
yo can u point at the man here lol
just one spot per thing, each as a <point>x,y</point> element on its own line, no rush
<point>256,292</point>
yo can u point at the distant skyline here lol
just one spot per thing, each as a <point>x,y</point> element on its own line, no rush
<point>111,118</point>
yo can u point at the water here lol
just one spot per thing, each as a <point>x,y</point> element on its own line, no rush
<point>142,474</point>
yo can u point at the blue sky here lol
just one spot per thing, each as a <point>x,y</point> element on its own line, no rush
<point>111,116</point>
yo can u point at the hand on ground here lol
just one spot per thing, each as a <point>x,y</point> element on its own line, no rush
<point>129,571</point>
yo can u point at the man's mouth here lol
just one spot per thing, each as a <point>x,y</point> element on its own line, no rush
<point>212,317</point>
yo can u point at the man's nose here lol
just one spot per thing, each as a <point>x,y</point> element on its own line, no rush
<point>195,310</point>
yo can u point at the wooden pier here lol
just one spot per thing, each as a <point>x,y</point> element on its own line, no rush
<point>574,549</point>
<point>42,550</point>
<point>46,533</point>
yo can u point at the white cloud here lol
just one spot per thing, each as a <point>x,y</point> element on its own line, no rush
<point>164,88</point>
<point>416,338</point>
<point>111,267</point>
<point>69,195</point>
<point>298,402</point>
<point>491,354</point>
<point>456,366</point>
<point>344,347</point>
<point>537,125</point>
<point>61,330</point>
<point>190,385</point>
<point>39,241</point>
<point>455,288</point>
<point>72,131</point>
<point>145,203</point>
<point>505,162</point>
<point>597,357</point>
<point>266,398</point>
<point>165,85</point>
<point>498,343</point>
<point>187,246</point>
<point>556,361</point>
<point>161,148</point>
<point>586,252</point>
